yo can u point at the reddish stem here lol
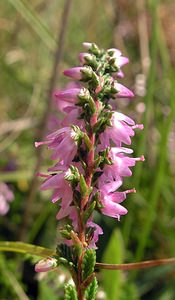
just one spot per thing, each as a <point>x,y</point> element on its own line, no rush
<point>84,201</point>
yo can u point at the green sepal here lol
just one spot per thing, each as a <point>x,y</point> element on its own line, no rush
<point>99,205</point>
<point>87,141</point>
<point>63,261</point>
<point>88,263</point>
<point>98,161</point>
<point>113,90</point>
<point>84,95</point>
<point>72,175</point>
<point>86,73</point>
<point>112,63</point>
<point>91,291</point>
<point>83,186</point>
<point>95,80</point>
<point>88,212</point>
<point>70,292</point>
<point>65,232</point>
<point>92,104</point>
<point>95,50</point>
<point>101,125</point>
<point>91,61</point>
<point>78,134</point>
<point>95,197</point>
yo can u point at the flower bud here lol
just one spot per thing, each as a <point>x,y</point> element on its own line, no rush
<point>46,264</point>
<point>92,47</point>
<point>72,174</point>
<point>69,95</point>
<point>122,91</point>
<point>79,73</point>
<point>88,59</point>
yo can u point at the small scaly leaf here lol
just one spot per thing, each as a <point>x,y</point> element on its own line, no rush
<point>88,264</point>
<point>70,292</point>
<point>91,291</point>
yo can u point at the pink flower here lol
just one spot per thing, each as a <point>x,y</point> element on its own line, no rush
<point>62,189</point>
<point>118,74</point>
<point>119,59</point>
<point>122,91</point>
<point>109,185</point>
<point>111,201</point>
<point>84,57</point>
<point>6,196</point>
<point>72,117</point>
<point>4,206</point>
<point>98,231</point>
<point>121,163</point>
<point>120,132</point>
<point>62,143</point>
<point>64,212</point>
<point>69,95</point>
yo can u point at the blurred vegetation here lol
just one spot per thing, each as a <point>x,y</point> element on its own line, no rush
<point>144,31</point>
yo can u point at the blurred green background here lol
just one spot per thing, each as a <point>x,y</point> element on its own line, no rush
<point>144,31</point>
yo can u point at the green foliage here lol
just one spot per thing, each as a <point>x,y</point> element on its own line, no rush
<point>88,263</point>
<point>25,9</point>
<point>25,249</point>
<point>70,292</point>
<point>114,253</point>
<point>131,290</point>
<point>91,291</point>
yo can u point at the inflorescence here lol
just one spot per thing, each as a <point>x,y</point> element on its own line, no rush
<point>90,147</point>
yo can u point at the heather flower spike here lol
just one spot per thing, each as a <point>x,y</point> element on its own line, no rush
<point>91,161</point>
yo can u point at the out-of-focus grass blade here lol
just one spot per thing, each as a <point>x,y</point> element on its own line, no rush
<point>148,112</point>
<point>11,280</point>
<point>46,292</point>
<point>35,22</point>
<point>114,253</point>
<point>24,248</point>
<point>16,175</point>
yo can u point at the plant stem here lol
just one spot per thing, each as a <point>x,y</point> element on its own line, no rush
<point>137,265</point>
<point>84,200</point>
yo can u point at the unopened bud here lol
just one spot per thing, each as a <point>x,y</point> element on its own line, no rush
<point>46,264</point>
<point>92,47</point>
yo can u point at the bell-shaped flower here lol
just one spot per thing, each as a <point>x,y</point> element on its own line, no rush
<point>121,130</point>
<point>111,206</point>
<point>61,187</point>
<point>120,163</point>
<point>63,144</point>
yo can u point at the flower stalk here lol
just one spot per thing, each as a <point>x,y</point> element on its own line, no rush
<point>91,161</point>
